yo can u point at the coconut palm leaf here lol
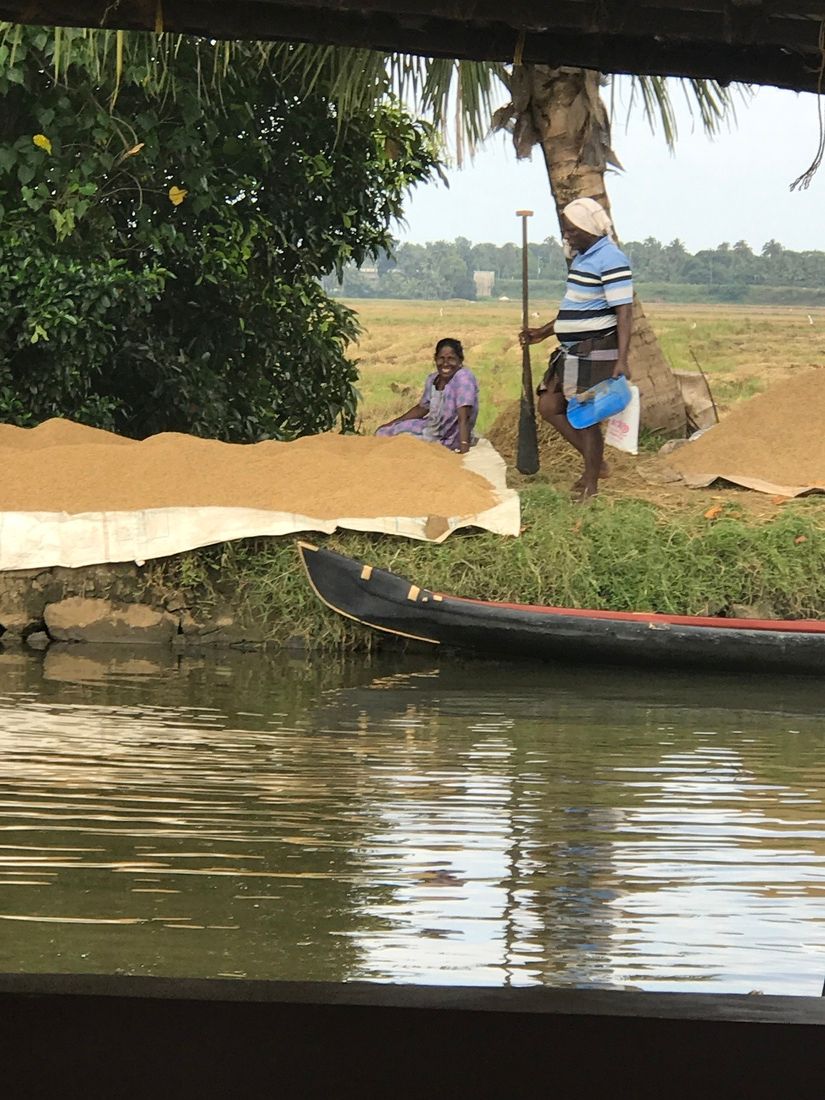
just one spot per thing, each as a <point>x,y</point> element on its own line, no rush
<point>460,97</point>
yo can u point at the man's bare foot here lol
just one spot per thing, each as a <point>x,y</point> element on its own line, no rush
<point>584,491</point>
<point>604,471</point>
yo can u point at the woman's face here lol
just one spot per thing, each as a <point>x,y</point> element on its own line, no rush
<point>447,362</point>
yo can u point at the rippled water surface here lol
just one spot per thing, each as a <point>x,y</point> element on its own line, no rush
<point>469,823</point>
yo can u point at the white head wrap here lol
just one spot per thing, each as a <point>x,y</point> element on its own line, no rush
<point>589,215</point>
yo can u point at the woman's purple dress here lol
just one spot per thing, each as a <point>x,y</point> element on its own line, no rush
<point>440,425</point>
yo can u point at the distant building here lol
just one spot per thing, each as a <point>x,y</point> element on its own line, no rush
<point>484,281</point>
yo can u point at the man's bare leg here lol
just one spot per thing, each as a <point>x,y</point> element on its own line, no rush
<point>593,447</point>
<point>552,407</point>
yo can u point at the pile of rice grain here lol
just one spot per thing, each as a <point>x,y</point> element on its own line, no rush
<point>61,466</point>
<point>777,437</point>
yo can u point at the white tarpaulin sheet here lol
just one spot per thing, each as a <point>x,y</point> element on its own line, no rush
<point>34,540</point>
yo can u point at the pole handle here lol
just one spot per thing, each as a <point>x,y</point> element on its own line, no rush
<point>524,215</point>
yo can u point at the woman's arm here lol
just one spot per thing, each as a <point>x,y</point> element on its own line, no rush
<point>624,325</point>
<point>464,428</point>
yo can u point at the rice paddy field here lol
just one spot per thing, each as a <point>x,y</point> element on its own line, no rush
<point>742,349</point>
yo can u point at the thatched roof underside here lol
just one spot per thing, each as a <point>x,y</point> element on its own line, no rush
<point>757,41</point>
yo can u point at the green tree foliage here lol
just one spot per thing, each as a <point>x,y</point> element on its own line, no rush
<point>167,217</point>
<point>444,269</point>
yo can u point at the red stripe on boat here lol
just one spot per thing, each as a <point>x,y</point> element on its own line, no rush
<point>788,626</point>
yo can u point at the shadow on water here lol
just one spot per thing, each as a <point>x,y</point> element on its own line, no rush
<point>414,817</point>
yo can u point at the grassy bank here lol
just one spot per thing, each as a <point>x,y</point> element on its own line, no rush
<point>615,554</point>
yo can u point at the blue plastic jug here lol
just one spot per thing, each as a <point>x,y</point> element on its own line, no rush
<point>599,402</point>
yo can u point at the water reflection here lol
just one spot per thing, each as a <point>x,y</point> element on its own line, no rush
<point>249,815</point>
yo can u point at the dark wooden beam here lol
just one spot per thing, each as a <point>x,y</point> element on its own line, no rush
<point>725,41</point>
<point>698,21</point>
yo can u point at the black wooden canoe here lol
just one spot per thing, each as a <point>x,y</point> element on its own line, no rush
<point>393,604</point>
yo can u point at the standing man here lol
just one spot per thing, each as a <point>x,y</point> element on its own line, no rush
<point>593,327</point>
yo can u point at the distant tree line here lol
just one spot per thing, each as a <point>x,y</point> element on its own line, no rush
<point>444,269</point>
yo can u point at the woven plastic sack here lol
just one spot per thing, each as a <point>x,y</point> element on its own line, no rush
<point>623,427</point>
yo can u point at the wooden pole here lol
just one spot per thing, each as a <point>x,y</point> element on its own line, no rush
<point>527,454</point>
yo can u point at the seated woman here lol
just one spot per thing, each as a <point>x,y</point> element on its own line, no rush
<point>448,408</point>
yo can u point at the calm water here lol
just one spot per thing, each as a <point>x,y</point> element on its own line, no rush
<point>251,816</point>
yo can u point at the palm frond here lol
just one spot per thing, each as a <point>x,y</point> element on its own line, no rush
<point>458,97</point>
<point>714,104</point>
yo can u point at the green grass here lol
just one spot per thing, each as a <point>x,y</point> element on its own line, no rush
<point>731,390</point>
<point>621,554</point>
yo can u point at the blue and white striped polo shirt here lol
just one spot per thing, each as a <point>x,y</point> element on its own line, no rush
<point>598,281</point>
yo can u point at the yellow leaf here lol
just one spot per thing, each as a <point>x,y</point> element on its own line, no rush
<point>42,142</point>
<point>715,511</point>
<point>177,195</point>
<point>134,150</point>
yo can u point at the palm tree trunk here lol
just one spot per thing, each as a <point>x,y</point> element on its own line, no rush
<point>562,110</point>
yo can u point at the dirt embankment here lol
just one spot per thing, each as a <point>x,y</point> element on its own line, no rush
<point>561,465</point>
<point>777,435</point>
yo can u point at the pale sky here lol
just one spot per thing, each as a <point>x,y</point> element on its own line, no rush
<point>733,187</point>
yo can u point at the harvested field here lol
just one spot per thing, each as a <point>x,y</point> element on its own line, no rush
<point>741,349</point>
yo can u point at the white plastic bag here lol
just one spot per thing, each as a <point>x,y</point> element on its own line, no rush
<point>623,428</point>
